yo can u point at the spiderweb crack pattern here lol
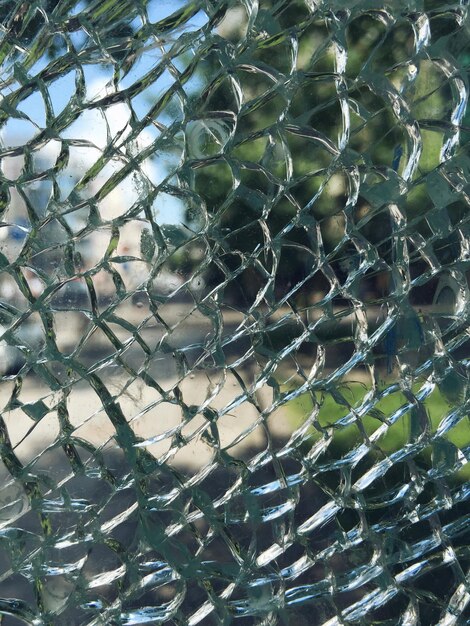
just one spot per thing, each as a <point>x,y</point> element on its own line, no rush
<point>234,312</point>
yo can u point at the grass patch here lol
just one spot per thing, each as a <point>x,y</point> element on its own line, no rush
<point>343,412</point>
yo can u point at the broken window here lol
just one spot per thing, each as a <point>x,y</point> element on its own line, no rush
<point>234,343</point>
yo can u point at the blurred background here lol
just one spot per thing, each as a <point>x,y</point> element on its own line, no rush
<point>234,295</point>
<point>308,181</point>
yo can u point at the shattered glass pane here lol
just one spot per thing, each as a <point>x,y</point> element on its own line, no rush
<point>234,312</point>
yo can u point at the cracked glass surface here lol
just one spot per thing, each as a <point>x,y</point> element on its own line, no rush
<point>234,312</point>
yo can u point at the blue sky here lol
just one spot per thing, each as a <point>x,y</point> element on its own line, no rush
<point>95,124</point>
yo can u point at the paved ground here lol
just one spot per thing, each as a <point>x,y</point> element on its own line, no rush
<point>153,419</point>
<point>157,421</point>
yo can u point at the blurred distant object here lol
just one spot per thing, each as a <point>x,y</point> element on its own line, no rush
<point>169,284</point>
<point>28,339</point>
<point>405,339</point>
<point>451,376</point>
<point>164,284</point>
<point>72,295</point>
<point>447,299</point>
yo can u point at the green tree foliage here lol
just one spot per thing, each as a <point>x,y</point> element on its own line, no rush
<point>292,144</point>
